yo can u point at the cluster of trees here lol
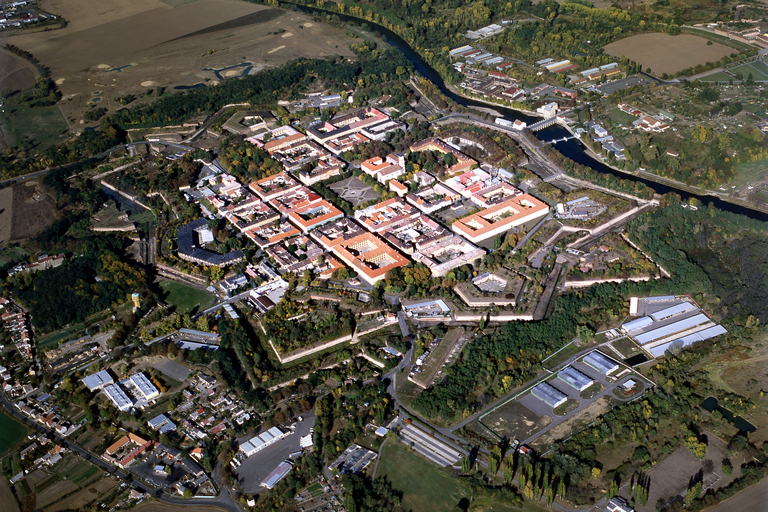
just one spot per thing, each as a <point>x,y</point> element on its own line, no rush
<point>78,288</point>
<point>373,66</point>
<point>247,162</point>
<point>290,326</point>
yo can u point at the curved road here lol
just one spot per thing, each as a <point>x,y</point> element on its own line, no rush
<point>223,500</point>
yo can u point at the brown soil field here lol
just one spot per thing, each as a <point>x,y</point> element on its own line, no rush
<point>54,492</point>
<point>18,74</point>
<point>80,499</point>
<point>113,48</point>
<point>6,215</point>
<point>154,506</point>
<point>515,420</point>
<point>751,498</point>
<point>579,420</point>
<point>663,53</point>
<point>32,210</point>
<point>7,500</point>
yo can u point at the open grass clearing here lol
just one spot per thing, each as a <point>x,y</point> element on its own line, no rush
<point>758,68</point>
<point>39,126</point>
<point>750,173</point>
<point>663,53</point>
<point>561,356</point>
<point>429,488</point>
<point>425,486</point>
<point>185,298</point>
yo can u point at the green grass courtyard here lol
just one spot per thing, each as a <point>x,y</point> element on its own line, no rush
<point>186,298</point>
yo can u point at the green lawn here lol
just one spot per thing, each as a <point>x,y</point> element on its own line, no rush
<point>429,488</point>
<point>43,126</point>
<point>425,486</point>
<point>718,77</point>
<point>186,298</point>
<point>749,172</point>
<point>12,432</point>
<point>758,69</point>
<point>619,117</point>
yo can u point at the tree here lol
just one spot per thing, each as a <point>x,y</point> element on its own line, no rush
<point>596,472</point>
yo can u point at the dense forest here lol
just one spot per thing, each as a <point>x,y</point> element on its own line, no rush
<point>81,286</point>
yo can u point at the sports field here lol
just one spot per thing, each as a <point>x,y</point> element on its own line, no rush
<point>758,68</point>
<point>185,298</point>
<point>112,48</point>
<point>663,53</point>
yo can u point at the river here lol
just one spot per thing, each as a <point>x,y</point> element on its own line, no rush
<point>573,148</point>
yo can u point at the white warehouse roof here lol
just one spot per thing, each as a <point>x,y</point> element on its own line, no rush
<point>637,324</point>
<point>601,363</point>
<point>672,311</point>
<point>574,378</point>
<point>98,380</point>
<point>668,330</point>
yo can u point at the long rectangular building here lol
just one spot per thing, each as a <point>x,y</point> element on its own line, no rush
<point>601,363</point>
<point>500,218</point>
<point>549,394</point>
<point>685,341</point>
<point>637,324</point>
<point>672,311</point>
<point>118,397</point>
<point>261,441</point>
<point>671,329</point>
<point>575,378</point>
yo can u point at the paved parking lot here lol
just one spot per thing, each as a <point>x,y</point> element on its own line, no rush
<point>255,468</point>
<point>172,369</point>
<point>354,190</point>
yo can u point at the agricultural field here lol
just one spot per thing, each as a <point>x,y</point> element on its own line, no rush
<point>70,484</point>
<point>185,298</point>
<point>12,430</point>
<point>663,53</point>
<point>117,48</point>
<point>18,74</point>
<point>155,506</point>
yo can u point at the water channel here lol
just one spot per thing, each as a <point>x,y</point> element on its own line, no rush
<point>573,148</point>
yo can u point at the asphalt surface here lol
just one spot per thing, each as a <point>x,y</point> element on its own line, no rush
<point>255,468</point>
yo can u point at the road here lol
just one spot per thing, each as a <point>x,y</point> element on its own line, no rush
<point>223,500</point>
<point>240,296</point>
<point>547,169</point>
